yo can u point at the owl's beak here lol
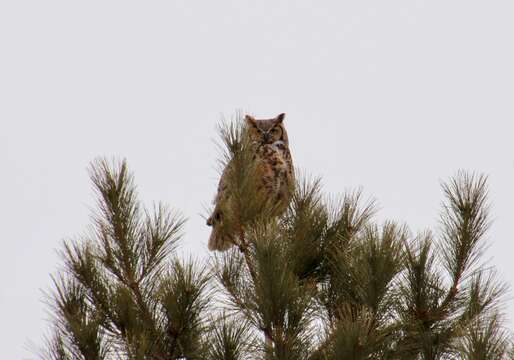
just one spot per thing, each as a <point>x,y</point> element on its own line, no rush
<point>267,137</point>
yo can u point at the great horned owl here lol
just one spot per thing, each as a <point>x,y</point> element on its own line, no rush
<point>274,167</point>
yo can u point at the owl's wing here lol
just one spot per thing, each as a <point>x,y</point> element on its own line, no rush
<point>222,187</point>
<point>219,240</point>
<point>290,167</point>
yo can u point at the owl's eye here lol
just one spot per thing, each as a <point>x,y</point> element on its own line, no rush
<point>276,131</point>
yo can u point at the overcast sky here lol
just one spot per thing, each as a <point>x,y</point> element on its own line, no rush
<point>393,96</point>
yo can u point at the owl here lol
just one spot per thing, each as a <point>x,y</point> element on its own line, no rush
<point>274,169</point>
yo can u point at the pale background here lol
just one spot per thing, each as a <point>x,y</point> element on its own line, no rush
<point>393,96</point>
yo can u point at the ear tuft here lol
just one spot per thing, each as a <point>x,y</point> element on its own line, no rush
<point>250,119</point>
<point>280,118</point>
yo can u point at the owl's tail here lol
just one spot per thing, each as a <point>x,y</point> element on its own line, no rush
<point>218,240</point>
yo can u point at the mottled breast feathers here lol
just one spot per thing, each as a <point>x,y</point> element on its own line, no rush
<point>274,170</point>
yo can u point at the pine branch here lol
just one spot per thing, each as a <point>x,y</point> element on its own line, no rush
<point>464,221</point>
<point>231,339</point>
<point>320,281</point>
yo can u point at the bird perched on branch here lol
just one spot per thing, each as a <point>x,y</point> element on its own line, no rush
<point>273,171</point>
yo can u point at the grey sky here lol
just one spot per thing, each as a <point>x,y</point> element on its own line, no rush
<point>393,96</point>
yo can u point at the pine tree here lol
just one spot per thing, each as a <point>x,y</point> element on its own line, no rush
<point>321,281</point>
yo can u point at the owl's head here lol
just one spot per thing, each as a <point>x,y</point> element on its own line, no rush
<point>267,131</point>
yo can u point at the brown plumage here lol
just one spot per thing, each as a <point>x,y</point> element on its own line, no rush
<point>274,168</point>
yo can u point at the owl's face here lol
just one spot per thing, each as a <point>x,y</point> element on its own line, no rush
<point>267,131</point>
